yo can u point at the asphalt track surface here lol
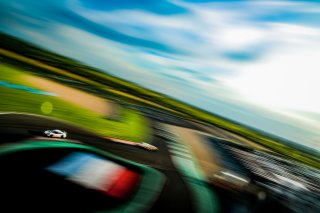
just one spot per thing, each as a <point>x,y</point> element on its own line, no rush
<point>175,196</point>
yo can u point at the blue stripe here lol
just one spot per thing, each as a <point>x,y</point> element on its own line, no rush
<point>72,163</point>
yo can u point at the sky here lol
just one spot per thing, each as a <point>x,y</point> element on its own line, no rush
<point>255,62</point>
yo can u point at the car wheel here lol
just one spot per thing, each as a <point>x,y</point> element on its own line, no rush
<point>61,136</point>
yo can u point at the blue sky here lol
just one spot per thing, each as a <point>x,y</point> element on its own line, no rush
<point>256,62</point>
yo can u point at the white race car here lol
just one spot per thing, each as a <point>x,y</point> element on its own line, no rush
<point>55,133</point>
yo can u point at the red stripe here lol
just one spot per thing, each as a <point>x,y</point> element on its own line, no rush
<point>124,185</point>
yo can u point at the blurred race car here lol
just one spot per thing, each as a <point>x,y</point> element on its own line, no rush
<point>55,133</point>
<point>85,179</point>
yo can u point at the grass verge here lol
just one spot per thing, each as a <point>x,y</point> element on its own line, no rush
<point>132,126</point>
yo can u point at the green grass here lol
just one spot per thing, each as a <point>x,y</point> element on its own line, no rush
<point>131,126</point>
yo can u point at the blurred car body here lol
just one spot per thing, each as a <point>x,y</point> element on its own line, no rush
<point>55,133</point>
<point>84,179</point>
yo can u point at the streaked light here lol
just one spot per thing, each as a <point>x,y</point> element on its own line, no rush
<point>234,176</point>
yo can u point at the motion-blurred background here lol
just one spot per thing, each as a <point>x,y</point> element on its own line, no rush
<point>221,97</point>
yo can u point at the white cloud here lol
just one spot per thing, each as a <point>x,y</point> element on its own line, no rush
<point>287,81</point>
<point>239,38</point>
